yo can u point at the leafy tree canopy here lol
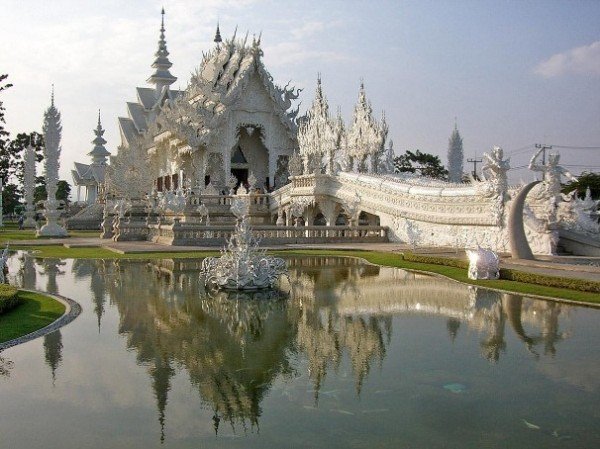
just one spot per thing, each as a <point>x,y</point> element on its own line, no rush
<point>63,190</point>
<point>424,163</point>
<point>585,180</point>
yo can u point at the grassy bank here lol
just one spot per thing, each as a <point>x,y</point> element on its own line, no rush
<point>33,312</point>
<point>10,233</point>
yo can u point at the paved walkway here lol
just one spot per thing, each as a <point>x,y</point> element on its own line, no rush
<point>564,266</point>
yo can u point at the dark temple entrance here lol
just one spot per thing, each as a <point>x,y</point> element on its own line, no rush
<point>242,176</point>
<point>239,167</point>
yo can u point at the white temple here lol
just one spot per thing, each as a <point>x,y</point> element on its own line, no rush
<point>310,178</point>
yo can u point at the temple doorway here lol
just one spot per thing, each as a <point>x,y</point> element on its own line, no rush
<point>242,176</point>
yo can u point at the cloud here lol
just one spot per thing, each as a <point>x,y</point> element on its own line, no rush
<point>583,60</point>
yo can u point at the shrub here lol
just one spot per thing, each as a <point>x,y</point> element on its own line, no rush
<point>8,297</point>
<point>435,260</point>
<point>550,281</point>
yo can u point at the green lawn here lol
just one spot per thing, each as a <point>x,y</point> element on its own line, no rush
<point>10,233</point>
<point>34,312</point>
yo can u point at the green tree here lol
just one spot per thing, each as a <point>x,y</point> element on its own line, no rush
<point>63,190</point>
<point>585,180</point>
<point>424,163</point>
<point>3,133</point>
<point>10,198</point>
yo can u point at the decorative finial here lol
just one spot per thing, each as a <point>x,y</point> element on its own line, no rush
<point>455,123</point>
<point>99,124</point>
<point>52,96</point>
<point>161,76</point>
<point>218,39</point>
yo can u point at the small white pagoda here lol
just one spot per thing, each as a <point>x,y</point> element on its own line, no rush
<point>91,176</point>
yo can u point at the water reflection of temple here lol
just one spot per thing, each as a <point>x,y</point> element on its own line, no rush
<point>234,347</point>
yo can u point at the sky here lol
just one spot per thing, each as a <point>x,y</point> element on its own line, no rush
<point>510,73</point>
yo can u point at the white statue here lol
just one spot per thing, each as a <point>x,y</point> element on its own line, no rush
<point>552,173</point>
<point>494,171</point>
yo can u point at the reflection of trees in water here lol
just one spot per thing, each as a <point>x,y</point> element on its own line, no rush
<point>234,346</point>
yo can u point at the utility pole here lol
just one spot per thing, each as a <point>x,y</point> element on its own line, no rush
<point>475,161</point>
<point>543,147</point>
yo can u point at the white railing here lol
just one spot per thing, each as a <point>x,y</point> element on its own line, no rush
<point>196,234</point>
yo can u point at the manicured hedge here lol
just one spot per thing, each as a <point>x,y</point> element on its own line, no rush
<point>412,257</point>
<point>8,297</point>
<point>550,281</point>
<point>513,275</point>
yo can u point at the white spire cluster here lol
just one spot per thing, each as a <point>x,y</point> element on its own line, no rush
<point>52,133</point>
<point>366,137</point>
<point>361,148</point>
<point>316,136</point>
<point>455,156</point>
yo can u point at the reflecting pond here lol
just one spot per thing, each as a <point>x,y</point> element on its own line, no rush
<point>345,355</point>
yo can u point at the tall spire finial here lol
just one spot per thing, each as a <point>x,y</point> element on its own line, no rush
<point>455,123</point>
<point>161,76</point>
<point>99,153</point>
<point>52,96</point>
<point>218,39</point>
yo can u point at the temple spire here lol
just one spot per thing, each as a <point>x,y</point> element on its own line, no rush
<point>99,153</point>
<point>218,39</point>
<point>161,76</point>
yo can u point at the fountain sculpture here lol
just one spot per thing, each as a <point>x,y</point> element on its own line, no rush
<point>242,265</point>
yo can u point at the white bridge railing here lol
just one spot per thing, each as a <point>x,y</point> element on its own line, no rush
<point>199,235</point>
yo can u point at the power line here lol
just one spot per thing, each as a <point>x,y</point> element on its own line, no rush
<point>519,150</point>
<point>575,148</point>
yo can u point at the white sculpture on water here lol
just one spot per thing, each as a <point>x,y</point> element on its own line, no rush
<point>242,265</point>
<point>52,131</point>
<point>29,186</point>
<point>483,264</point>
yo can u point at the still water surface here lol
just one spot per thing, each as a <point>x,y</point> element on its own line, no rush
<point>354,356</point>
